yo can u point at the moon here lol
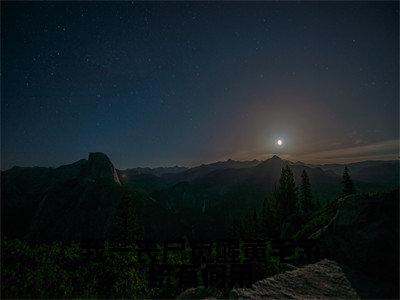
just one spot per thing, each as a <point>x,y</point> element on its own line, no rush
<point>279,142</point>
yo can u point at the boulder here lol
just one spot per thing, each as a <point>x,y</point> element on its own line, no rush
<point>201,293</point>
<point>322,280</point>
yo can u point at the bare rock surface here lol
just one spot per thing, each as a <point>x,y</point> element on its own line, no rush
<point>201,293</point>
<point>364,236</point>
<point>322,280</point>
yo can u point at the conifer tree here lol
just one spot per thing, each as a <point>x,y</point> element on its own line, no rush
<point>126,228</point>
<point>236,230</point>
<point>286,195</point>
<point>306,204</point>
<point>255,225</point>
<point>267,220</point>
<point>348,186</point>
<point>264,217</point>
<point>251,226</point>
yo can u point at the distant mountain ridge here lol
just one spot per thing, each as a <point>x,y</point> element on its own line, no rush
<point>158,171</point>
<point>176,173</point>
<point>71,201</point>
<point>99,165</point>
<point>79,200</point>
<point>204,169</point>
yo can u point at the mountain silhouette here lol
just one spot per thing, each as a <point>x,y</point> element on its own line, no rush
<point>73,201</point>
<point>79,200</point>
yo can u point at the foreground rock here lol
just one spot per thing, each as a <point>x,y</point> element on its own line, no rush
<point>201,293</point>
<point>321,280</point>
<point>364,235</point>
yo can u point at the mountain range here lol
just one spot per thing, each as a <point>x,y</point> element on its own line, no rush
<point>81,199</point>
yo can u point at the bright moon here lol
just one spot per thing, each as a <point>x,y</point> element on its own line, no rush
<point>279,142</point>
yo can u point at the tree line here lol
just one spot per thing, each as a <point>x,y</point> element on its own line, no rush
<point>289,208</point>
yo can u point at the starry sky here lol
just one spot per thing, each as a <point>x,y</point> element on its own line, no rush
<point>168,83</point>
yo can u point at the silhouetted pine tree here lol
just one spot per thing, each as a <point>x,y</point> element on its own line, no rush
<point>267,220</point>
<point>256,227</point>
<point>236,229</point>
<point>286,195</point>
<point>348,186</point>
<point>251,226</point>
<point>264,217</point>
<point>306,204</point>
<point>125,227</point>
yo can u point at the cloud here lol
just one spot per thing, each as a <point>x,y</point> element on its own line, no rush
<point>385,150</point>
<point>381,150</point>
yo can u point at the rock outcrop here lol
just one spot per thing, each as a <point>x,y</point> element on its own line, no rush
<point>72,202</point>
<point>201,293</point>
<point>323,280</point>
<point>364,235</point>
<point>100,166</point>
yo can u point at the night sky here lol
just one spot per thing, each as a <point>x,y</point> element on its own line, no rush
<point>164,83</point>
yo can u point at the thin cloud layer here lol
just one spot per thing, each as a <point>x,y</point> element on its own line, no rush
<point>382,150</point>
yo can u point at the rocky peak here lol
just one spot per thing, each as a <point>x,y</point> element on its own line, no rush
<point>275,157</point>
<point>274,161</point>
<point>100,166</point>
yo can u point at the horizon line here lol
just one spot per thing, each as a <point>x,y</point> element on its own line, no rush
<point>284,157</point>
